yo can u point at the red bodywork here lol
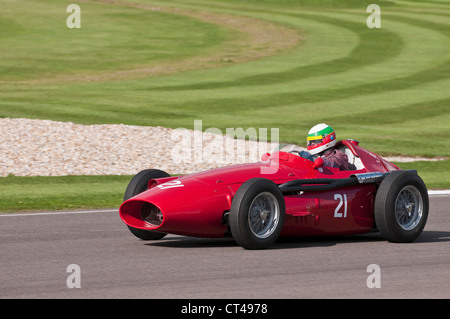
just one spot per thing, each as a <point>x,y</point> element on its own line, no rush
<point>196,204</point>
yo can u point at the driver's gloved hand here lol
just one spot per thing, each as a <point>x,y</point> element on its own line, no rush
<point>306,155</point>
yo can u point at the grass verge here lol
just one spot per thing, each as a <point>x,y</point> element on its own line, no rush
<point>436,175</point>
<point>61,192</point>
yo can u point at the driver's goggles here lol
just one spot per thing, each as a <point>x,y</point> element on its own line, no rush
<point>313,140</point>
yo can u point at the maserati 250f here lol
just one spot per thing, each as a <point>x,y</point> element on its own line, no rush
<point>283,195</point>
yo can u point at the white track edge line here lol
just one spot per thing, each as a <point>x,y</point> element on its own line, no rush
<point>61,212</point>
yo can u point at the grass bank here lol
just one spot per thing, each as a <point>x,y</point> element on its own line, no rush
<point>60,193</point>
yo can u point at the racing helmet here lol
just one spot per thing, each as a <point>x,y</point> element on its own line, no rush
<point>320,138</point>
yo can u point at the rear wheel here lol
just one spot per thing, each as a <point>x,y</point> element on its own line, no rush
<point>257,214</point>
<point>137,185</point>
<point>401,207</point>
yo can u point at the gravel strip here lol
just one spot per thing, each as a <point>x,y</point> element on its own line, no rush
<point>49,148</point>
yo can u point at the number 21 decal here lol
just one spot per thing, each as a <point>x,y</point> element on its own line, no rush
<point>342,201</point>
<point>170,184</point>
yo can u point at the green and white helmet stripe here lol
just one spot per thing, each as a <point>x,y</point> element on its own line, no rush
<point>320,130</point>
<point>320,138</point>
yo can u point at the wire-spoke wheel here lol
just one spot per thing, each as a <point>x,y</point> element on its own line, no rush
<point>401,206</point>
<point>263,215</point>
<point>257,214</point>
<point>409,207</point>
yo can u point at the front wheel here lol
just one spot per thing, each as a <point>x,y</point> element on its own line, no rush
<point>137,185</point>
<point>401,207</point>
<point>257,214</point>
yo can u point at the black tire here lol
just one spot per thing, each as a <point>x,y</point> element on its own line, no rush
<point>401,207</point>
<point>251,198</point>
<point>137,185</point>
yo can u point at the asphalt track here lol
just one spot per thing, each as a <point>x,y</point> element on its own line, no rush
<point>37,248</point>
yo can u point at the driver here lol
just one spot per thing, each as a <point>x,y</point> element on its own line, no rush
<point>320,141</point>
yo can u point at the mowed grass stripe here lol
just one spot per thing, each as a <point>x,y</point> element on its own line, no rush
<point>160,41</point>
<point>268,79</point>
<point>412,58</point>
<point>400,114</point>
<point>310,52</point>
<point>111,38</point>
<point>148,113</point>
<point>434,72</point>
<point>278,79</point>
<point>438,108</point>
<point>424,4</point>
<point>367,46</point>
<point>226,105</point>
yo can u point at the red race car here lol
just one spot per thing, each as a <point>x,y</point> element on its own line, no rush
<point>283,195</point>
